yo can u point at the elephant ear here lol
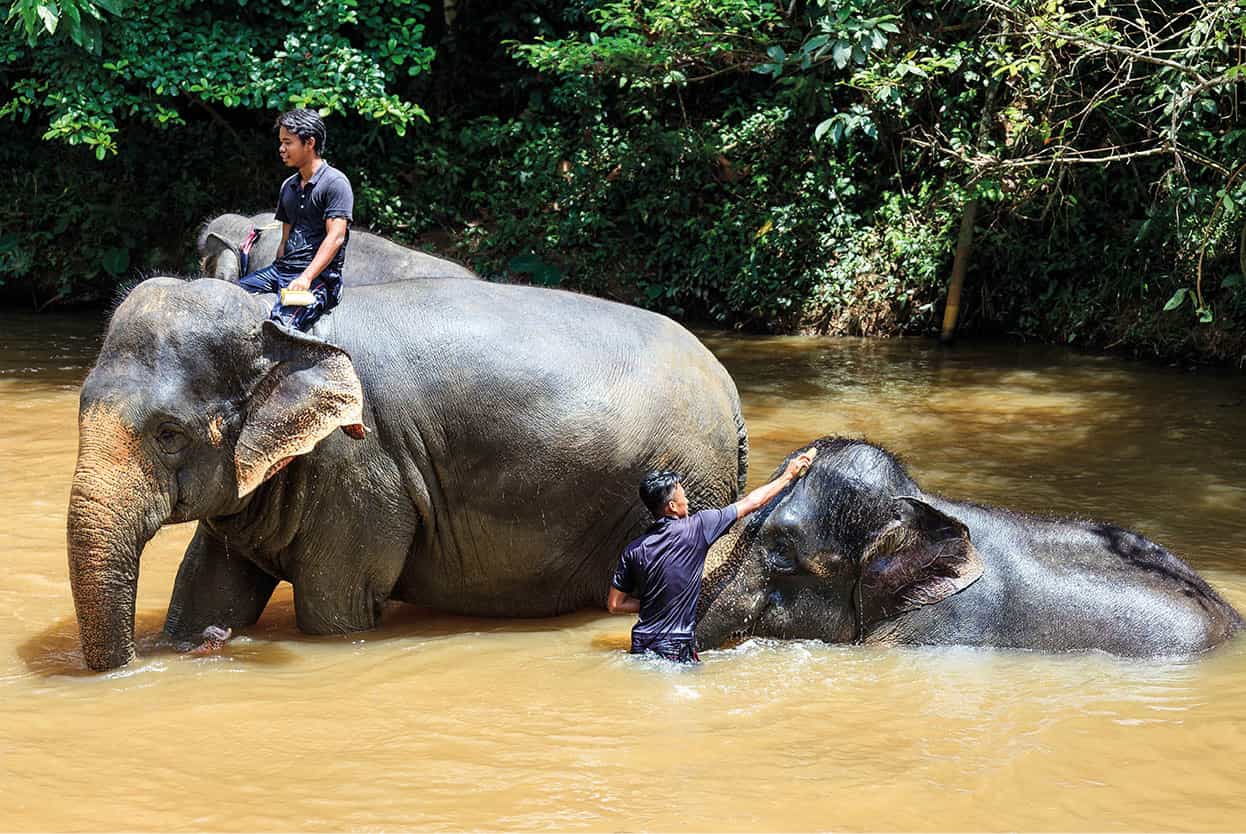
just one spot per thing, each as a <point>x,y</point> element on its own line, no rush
<point>309,389</point>
<point>921,558</point>
<point>223,258</point>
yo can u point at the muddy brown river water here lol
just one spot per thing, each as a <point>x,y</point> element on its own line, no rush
<point>437,722</point>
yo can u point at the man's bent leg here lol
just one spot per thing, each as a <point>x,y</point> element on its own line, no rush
<point>302,318</point>
<point>262,280</point>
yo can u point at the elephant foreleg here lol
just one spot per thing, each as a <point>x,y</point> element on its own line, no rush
<point>215,587</point>
<point>325,603</point>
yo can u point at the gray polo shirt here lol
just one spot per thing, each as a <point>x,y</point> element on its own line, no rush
<point>306,207</point>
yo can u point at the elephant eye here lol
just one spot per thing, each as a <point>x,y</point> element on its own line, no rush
<point>171,439</point>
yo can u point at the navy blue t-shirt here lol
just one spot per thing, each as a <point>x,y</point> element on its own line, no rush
<point>663,569</point>
<point>306,208</point>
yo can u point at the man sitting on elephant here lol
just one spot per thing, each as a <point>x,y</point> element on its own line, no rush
<point>663,567</point>
<point>314,208</point>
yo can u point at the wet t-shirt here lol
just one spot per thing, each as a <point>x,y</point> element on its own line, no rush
<point>663,569</point>
<point>306,207</point>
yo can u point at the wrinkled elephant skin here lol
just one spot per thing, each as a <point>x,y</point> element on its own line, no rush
<point>492,440</point>
<point>855,551</point>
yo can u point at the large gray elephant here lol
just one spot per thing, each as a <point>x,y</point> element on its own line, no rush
<point>370,259</point>
<point>493,439</point>
<point>855,551</point>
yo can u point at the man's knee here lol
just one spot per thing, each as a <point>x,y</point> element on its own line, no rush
<point>297,318</point>
<point>258,282</point>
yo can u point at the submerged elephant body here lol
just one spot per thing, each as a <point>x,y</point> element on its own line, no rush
<point>504,430</point>
<point>856,552</point>
<point>370,259</point>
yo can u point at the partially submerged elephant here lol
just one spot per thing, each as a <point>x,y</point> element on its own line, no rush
<point>370,259</point>
<point>493,437</point>
<point>855,551</point>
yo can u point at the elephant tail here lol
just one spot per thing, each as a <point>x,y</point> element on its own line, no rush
<point>741,432</point>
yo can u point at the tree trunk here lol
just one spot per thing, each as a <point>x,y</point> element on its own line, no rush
<point>964,246</point>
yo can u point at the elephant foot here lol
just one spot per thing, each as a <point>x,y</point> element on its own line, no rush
<point>213,640</point>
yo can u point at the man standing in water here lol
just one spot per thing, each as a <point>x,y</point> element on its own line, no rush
<point>315,208</point>
<point>659,574</point>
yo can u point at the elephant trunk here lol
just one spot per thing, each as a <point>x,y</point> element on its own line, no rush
<point>114,509</point>
<point>732,588</point>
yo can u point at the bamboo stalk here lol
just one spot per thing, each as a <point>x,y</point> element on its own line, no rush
<point>964,245</point>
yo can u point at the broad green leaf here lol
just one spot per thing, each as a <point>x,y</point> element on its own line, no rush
<point>117,260</point>
<point>815,43</point>
<point>1177,299</point>
<point>841,53</point>
<point>49,17</point>
<point>70,9</point>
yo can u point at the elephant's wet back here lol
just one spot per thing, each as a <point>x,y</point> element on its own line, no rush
<point>435,721</point>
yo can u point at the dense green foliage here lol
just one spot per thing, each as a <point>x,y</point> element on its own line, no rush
<point>797,166</point>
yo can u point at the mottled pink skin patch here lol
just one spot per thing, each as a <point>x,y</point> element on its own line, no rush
<point>214,638</point>
<point>215,434</point>
<point>277,467</point>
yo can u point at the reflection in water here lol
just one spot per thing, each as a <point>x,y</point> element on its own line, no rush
<point>439,722</point>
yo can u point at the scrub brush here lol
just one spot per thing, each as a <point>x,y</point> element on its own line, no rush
<point>297,298</point>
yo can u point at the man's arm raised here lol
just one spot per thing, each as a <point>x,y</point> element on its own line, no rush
<point>757,499</point>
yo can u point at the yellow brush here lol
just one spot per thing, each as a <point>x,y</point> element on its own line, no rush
<point>812,452</point>
<point>297,298</point>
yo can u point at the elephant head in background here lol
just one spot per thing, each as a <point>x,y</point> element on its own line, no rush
<point>370,259</point>
<point>855,551</point>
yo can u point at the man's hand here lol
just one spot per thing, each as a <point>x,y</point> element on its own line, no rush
<point>799,464</point>
<point>335,236</point>
<point>758,498</point>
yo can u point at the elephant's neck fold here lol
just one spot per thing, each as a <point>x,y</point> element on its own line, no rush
<point>269,518</point>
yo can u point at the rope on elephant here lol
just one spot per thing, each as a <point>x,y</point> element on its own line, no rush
<point>253,235</point>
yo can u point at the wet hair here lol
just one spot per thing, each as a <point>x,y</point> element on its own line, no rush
<point>656,490</point>
<point>305,124</point>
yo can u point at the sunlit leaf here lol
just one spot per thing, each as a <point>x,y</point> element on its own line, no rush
<point>1177,299</point>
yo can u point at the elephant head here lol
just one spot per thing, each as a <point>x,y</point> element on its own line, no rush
<point>835,555</point>
<point>194,401</point>
<point>221,240</point>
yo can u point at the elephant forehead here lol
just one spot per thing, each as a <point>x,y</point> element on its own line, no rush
<point>171,315</point>
<point>198,301</point>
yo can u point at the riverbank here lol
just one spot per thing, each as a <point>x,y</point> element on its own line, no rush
<point>869,313</point>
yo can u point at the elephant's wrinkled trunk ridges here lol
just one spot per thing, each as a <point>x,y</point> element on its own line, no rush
<point>114,509</point>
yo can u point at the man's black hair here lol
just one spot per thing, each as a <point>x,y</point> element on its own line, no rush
<point>305,124</point>
<point>656,490</point>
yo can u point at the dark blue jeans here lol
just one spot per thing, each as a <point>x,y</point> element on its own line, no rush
<point>679,649</point>
<point>273,278</point>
